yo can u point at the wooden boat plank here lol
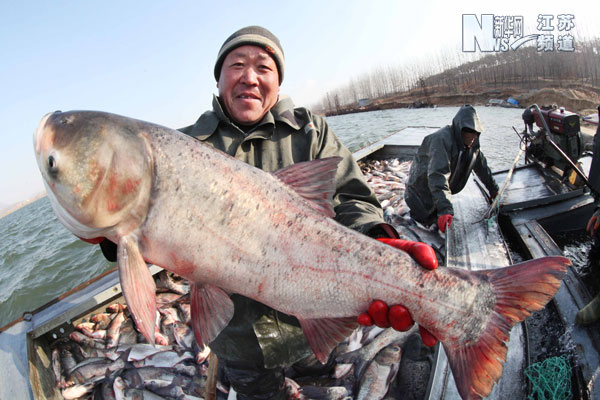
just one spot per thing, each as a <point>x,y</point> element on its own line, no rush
<point>529,182</point>
<point>563,216</point>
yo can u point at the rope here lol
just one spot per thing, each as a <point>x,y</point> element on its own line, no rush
<point>550,379</point>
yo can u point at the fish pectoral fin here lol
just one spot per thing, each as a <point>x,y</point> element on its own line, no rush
<point>314,181</point>
<point>138,286</point>
<point>211,308</point>
<point>325,333</point>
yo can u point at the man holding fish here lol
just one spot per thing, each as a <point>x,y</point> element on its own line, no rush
<point>237,232</point>
<point>252,122</point>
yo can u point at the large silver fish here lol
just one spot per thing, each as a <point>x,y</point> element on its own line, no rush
<point>168,199</point>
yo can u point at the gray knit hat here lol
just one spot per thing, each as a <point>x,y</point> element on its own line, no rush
<point>253,35</point>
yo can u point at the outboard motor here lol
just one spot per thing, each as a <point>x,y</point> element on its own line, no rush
<point>564,131</point>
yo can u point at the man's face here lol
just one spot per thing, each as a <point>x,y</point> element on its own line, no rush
<point>468,137</point>
<point>249,84</point>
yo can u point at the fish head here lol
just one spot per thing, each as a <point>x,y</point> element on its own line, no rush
<point>97,170</point>
<point>389,355</point>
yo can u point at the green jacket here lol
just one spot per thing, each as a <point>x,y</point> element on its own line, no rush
<point>442,167</point>
<point>285,136</point>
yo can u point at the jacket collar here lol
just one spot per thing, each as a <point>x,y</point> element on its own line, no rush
<point>282,111</point>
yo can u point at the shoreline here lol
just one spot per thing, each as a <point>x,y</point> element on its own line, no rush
<point>578,99</point>
<point>17,206</point>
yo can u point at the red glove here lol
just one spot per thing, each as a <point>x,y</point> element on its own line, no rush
<point>594,223</point>
<point>398,316</point>
<point>420,252</point>
<point>443,221</point>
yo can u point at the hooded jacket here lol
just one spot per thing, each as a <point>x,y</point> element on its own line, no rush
<point>286,135</point>
<point>442,167</point>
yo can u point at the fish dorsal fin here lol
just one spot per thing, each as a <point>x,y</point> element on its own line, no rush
<point>138,286</point>
<point>314,181</point>
<point>325,333</point>
<point>211,310</point>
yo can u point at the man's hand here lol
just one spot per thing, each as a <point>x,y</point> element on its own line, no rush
<point>397,316</point>
<point>443,221</point>
<point>594,223</point>
<point>420,252</point>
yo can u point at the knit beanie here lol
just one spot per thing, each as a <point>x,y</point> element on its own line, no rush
<point>252,35</point>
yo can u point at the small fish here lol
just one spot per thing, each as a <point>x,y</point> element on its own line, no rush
<point>325,393</point>
<point>143,350</point>
<point>114,330</point>
<point>167,298</point>
<point>77,391</point>
<point>86,341</point>
<point>349,345</point>
<point>363,356</point>
<point>57,368</point>
<point>380,373</point>
<point>117,307</point>
<point>127,334</point>
<point>67,360</point>
<point>164,359</point>
<point>139,394</point>
<point>166,279</point>
<point>102,320</point>
<point>184,335</point>
<point>171,389</point>
<point>94,334</point>
<point>98,368</point>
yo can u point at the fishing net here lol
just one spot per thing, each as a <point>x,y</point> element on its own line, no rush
<point>550,379</point>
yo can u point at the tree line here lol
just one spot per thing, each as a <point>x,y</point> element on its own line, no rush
<point>452,71</point>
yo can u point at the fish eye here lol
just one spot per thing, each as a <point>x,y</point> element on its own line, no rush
<point>52,165</point>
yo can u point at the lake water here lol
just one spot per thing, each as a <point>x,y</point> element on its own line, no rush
<point>40,259</point>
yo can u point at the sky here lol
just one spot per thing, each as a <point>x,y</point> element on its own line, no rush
<point>153,60</point>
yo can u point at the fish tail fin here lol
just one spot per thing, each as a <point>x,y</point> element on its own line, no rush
<point>520,289</point>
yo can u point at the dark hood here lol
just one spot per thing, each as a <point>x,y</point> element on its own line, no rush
<point>466,117</point>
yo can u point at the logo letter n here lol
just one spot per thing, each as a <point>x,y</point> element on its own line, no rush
<point>475,34</point>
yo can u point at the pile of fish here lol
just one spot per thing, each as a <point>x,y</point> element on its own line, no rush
<point>388,179</point>
<point>105,357</point>
<point>367,365</point>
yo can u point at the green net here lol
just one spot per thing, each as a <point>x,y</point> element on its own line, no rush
<point>550,379</point>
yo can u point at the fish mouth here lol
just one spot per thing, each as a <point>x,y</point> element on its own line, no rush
<point>38,134</point>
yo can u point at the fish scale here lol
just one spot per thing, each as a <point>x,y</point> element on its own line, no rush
<point>228,227</point>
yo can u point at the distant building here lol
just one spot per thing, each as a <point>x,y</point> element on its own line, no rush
<point>495,102</point>
<point>364,102</point>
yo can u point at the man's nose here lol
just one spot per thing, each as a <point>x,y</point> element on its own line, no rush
<point>249,76</point>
